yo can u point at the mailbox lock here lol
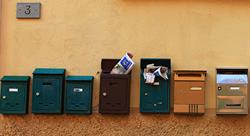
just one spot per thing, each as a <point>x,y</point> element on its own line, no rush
<point>4,97</point>
<point>155,105</point>
<point>219,88</point>
<point>145,94</point>
<point>104,94</point>
<point>37,93</point>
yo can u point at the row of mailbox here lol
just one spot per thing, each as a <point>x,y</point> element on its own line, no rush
<point>48,95</point>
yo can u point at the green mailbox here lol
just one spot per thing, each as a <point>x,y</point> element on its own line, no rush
<point>14,94</point>
<point>155,98</point>
<point>47,90</point>
<point>78,95</point>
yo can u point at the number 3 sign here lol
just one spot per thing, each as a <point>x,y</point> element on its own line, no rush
<point>28,10</point>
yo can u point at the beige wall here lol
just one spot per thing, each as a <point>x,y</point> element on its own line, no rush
<point>76,34</point>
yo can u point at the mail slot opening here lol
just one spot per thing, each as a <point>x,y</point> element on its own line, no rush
<point>233,104</point>
<point>47,83</point>
<point>189,75</point>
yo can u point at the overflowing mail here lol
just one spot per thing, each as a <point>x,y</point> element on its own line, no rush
<point>151,71</point>
<point>124,66</point>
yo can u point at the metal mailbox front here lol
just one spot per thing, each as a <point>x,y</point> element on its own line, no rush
<point>14,95</point>
<point>47,93</point>
<point>78,95</point>
<point>155,98</point>
<point>232,91</point>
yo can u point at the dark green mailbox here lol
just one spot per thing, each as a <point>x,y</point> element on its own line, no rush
<point>155,98</point>
<point>14,94</point>
<point>78,94</point>
<point>47,93</point>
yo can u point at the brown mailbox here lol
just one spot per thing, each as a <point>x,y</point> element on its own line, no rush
<point>189,91</point>
<point>115,90</point>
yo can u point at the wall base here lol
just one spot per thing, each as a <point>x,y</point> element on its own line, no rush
<point>133,124</point>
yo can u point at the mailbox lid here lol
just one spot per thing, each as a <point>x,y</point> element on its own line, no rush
<point>49,71</point>
<point>16,78</point>
<point>190,75</point>
<point>79,78</point>
<point>108,64</point>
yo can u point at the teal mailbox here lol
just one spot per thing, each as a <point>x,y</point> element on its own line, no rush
<point>47,90</point>
<point>78,95</point>
<point>155,98</point>
<point>14,95</point>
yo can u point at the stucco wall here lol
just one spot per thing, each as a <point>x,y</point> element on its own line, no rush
<point>76,35</point>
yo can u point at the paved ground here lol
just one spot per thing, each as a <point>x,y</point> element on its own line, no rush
<point>130,125</point>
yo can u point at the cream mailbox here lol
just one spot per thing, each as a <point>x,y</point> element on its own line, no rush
<point>232,91</point>
<point>189,91</point>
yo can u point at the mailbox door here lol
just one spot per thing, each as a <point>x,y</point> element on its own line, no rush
<point>154,98</point>
<point>114,95</point>
<point>13,97</point>
<point>46,93</point>
<point>78,96</point>
<point>189,92</point>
